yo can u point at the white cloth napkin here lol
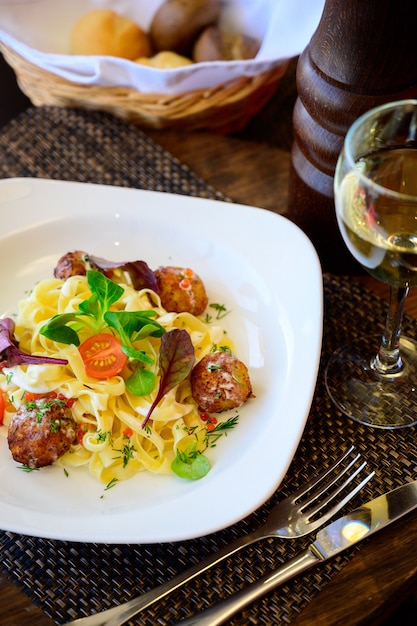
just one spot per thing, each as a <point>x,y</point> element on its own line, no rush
<point>39,31</point>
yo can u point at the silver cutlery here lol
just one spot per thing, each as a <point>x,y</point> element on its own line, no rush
<point>303,512</point>
<point>330,541</point>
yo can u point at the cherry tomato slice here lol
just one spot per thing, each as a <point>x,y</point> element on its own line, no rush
<point>84,428</point>
<point>30,397</point>
<point>103,356</point>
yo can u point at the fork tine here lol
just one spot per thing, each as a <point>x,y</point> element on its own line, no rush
<point>335,492</point>
<point>346,499</point>
<point>335,479</point>
<point>311,484</point>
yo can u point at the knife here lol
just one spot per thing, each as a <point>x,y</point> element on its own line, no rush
<point>330,540</point>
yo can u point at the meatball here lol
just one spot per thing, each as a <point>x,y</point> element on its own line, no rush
<point>220,382</point>
<point>40,432</point>
<point>73,264</point>
<point>181,290</point>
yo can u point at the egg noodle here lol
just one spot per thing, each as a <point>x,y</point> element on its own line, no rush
<point>105,408</point>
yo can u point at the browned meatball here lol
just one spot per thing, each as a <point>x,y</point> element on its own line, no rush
<point>40,432</point>
<point>220,382</point>
<point>73,264</point>
<point>181,290</point>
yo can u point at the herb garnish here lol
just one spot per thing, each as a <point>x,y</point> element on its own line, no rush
<point>126,452</point>
<point>221,310</point>
<point>220,429</point>
<point>192,463</point>
<point>95,314</point>
<point>27,468</point>
<point>42,406</point>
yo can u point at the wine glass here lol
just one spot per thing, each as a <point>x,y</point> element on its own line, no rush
<point>375,188</point>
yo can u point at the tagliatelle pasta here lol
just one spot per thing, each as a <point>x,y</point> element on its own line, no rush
<point>113,445</point>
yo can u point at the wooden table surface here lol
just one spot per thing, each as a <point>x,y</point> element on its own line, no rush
<point>377,586</point>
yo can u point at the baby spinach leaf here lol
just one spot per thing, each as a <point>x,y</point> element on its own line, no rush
<point>138,355</point>
<point>141,382</point>
<point>133,325</point>
<point>107,291</point>
<point>57,330</point>
<point>104,293</point>
<point>90,307</point>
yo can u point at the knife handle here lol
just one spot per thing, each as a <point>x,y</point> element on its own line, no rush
<point>221,612</point>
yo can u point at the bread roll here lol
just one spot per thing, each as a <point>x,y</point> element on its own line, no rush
<point>177,23</point>
<point>165,60</point>
<point>215,45</point>
<point>105,32</point>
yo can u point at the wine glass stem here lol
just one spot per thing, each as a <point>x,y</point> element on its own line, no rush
<point>388,360</point>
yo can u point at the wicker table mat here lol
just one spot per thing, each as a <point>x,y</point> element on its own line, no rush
<point>69,579</point>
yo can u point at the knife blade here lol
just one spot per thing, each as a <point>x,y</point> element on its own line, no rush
<point>343,533</point>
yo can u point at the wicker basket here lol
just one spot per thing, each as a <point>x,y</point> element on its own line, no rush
<point>226,108</point>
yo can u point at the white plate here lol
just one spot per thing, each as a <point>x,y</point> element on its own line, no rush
<point>259,264</point>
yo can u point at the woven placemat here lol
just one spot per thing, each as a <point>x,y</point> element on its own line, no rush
<point>69,144</point>
<point>67,579</point>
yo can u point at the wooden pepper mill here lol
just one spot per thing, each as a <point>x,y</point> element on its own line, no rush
<point>362,54</point>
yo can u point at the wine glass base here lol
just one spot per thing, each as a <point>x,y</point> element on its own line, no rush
<point>365,396</point>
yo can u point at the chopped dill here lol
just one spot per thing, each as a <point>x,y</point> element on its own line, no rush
<point>213,368</point>
<point>216,348</point>
<point>26,468</point>
<point>126,452</point>
<point>220,429</point>
<point>221,310</point>
<point>111,484</point>
<point>102,435</point>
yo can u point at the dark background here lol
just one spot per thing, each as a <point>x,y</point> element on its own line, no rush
<point>12,100</point>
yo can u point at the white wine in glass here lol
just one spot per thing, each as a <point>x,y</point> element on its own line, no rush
<point>376,207</point>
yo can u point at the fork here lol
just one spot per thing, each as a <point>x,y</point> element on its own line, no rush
<point>303,512</point>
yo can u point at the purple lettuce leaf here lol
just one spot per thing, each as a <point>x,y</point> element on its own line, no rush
<point>140,273</point>
<point>10,353</point>
<point>176,360</point>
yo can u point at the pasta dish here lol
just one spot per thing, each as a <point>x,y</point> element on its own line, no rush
<point>151,410</point>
